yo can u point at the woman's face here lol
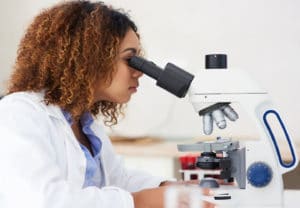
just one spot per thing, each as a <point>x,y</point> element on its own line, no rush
<point>125,80</point>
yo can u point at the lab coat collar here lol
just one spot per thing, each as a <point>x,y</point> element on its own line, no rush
<point>52,110</point>
<point>56,113</point>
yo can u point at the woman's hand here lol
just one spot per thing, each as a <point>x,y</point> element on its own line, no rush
<point>155,197</point>
<point>149,198</point>
<point>190,182</point>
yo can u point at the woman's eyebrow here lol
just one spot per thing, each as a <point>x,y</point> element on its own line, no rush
<point>133,50</point>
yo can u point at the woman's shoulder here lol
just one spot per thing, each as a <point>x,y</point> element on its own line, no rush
<point>28,102</point>
<point>23,109</point>
<point>23,99</point>
<point>28,108</point>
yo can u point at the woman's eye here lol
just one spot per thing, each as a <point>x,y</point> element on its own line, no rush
<point>127,59</point>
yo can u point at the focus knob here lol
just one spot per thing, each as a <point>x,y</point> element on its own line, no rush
<point>259,174</point>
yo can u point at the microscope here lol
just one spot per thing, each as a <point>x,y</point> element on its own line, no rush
<point>253,168</point>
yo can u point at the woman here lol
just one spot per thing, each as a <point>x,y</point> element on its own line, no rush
<point>71,67</point>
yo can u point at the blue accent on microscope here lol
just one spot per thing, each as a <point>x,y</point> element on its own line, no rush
<point>286,165</point>
<point>259,174</point>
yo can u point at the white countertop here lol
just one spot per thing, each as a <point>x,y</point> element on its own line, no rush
<point>292,198</point>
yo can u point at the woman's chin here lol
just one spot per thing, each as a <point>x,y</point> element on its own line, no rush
<point>123,100</point>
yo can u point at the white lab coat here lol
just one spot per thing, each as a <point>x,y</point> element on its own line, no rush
<point>42,164</point>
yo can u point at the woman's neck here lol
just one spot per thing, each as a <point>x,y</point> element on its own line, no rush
<point>80,136</point>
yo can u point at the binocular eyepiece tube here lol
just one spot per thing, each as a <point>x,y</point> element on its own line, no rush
<point>172,78</point>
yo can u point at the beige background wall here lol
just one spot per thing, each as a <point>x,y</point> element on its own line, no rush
<point>260,36</point>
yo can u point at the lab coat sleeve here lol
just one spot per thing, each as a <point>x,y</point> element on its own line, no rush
<point>134,180</point>
<point>130,180</point>
<point>30,176</point>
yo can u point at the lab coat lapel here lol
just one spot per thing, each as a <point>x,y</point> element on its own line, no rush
<point>98,130</point>
<point>76,161</point>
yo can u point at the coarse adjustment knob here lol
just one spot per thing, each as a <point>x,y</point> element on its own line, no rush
<point>259,174</point>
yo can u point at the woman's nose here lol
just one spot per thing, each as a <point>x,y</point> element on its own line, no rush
<point>136,73</point>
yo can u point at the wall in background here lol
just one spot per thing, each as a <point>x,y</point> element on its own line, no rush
<point>15,16</point>
<point>260,36</point>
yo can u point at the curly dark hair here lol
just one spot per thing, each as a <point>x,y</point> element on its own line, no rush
<point>66,49</point>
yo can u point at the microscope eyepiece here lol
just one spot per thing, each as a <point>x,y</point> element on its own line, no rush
<point>173,79</point>
<point>145,66</point>
<point>216,61</point>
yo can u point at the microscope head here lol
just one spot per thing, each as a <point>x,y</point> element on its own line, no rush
<point>214,84</point>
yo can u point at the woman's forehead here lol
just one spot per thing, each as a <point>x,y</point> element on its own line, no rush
<point>130,41</point>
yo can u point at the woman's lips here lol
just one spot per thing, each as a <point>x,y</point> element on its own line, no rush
<point>133,89</point>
